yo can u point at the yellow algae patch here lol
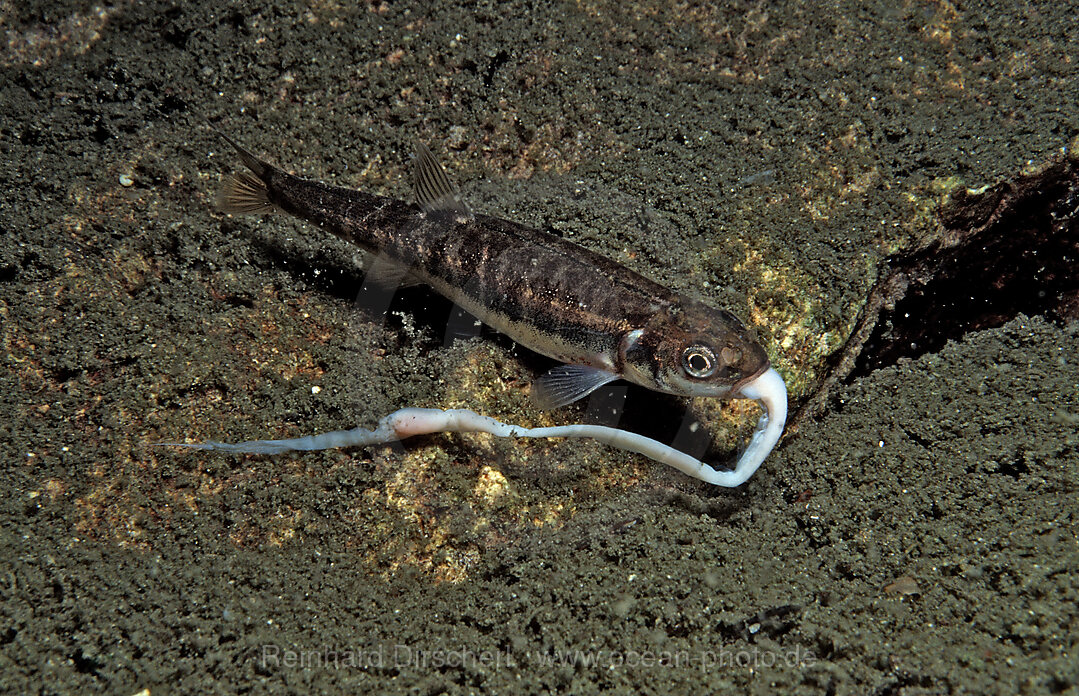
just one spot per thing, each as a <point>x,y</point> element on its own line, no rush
<point>492,487</point>
<point>283,526</point>
<point>548,514</point>
<point>436,514</point>
<point>278,529</point>
<point>939,28</point>
<point>111,513</point>
<point>800,326</point>
<point>922,225</point>
<point>54,488</point>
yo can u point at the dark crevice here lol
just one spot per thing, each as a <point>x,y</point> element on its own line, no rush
<point>1006,250</point>
<point>65,373</point>
<point>1000,251</point>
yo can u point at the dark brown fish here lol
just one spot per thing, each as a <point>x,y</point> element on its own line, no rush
<point>601,319</point>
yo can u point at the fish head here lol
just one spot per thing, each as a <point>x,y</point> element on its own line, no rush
<point>693,350</point>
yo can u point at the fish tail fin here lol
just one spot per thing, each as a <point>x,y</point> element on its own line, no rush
<point>245,192</point>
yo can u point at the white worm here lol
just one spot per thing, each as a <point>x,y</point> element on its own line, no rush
<point>768,389</point>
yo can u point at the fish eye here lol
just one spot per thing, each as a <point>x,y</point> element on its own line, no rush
<point>699,361</point>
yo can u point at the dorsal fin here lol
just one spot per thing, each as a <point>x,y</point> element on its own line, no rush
<point>434,191</point>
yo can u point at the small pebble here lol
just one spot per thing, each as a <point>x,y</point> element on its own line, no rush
<point>903,585</point>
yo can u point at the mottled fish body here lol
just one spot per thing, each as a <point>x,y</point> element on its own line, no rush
<point>603,320</point>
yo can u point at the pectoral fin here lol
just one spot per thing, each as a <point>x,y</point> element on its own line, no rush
<point>566,383</point>
<point>387,274</point>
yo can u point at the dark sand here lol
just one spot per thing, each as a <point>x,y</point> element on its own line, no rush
<point>919,537</point>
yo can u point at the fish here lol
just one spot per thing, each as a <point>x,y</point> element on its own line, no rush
<point>600,320</point>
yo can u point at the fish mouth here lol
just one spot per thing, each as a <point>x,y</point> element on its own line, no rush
<point>736,389</point>
<point>769,390</point>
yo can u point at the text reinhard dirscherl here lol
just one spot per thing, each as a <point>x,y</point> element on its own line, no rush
<point>400,656</point>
